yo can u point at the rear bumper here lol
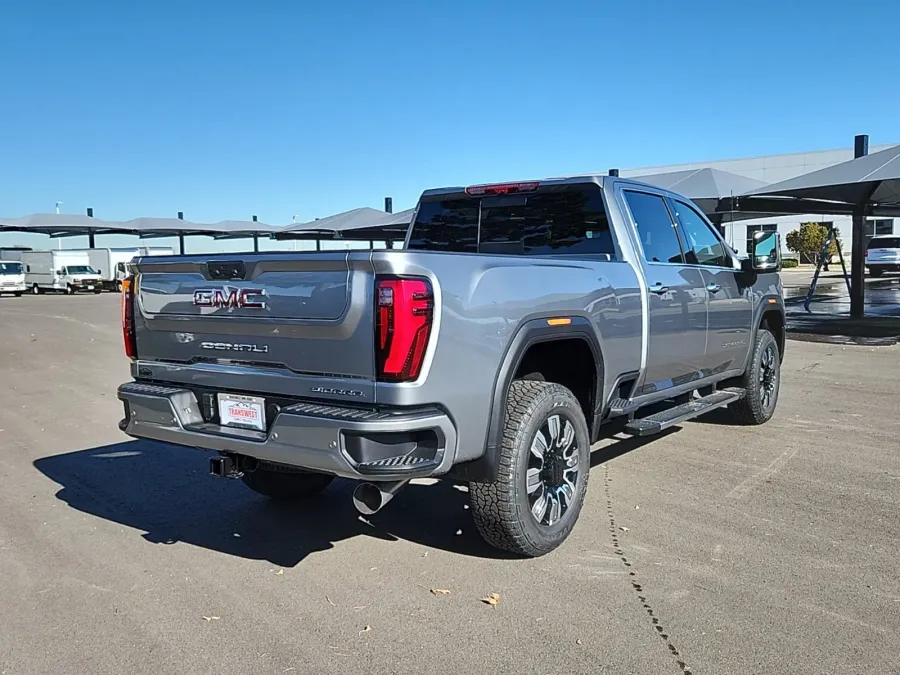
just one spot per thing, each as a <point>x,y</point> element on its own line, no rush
<point>887,265</point>
<point>354,443</point>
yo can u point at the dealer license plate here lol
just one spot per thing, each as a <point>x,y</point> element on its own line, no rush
<point>248,412</point>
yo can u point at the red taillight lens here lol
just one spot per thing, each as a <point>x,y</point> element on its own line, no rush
<point>503,188</point>
<point>404,310</point>
<point>128,318</point>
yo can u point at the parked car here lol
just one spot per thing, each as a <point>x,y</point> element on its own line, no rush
<point>883,255</point>
<point>519,321</point>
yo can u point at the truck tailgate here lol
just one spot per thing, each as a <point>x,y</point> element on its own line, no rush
<point>302,321</point>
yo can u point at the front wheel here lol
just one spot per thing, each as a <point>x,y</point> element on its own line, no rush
<point>70,290</point>
<point>761,382</point>
<point>18,294</point>
<point>875,271</point>
<point>285,485</point>
<point>532,506</point>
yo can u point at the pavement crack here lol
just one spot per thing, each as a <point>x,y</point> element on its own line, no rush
<point>633,578</point>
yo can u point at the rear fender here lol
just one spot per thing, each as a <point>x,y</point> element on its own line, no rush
<point>531,332</point>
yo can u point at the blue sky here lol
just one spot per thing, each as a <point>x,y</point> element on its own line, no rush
<point>280,108</point>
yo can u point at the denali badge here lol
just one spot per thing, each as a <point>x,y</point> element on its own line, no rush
<point>339,392</point>
<point>235,347</point>
<point>250,298</point>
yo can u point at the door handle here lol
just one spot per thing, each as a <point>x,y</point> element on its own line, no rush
<point>713,288</point>
<point>658,288</point>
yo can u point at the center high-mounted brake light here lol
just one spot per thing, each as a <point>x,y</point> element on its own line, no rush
<point>404,311</point>
<point>502,188</point>
<point>128,334</point>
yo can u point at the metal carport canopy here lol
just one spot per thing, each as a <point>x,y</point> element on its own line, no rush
<point>866,186</point>
<point>61,225</point>
<point>360,224</point>
<point>706,187</point>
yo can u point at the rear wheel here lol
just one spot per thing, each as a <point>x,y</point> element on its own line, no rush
<point>542,480</point>
<point>286,485</point>
<point>761,382</point>
<point>36,290</point>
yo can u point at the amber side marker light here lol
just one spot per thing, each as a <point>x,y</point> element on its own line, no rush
<point>772,301</point>
<point>559,322</point>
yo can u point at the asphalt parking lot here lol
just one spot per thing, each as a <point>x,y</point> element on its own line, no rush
<point>713,549</point>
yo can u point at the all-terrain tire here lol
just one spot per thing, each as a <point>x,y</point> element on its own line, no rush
<point>763,375</point>
<point>501,509</point>
<point>285,485</point>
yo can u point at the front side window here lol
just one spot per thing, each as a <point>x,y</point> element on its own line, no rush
<point>703,246</point>
<point>654,227</point>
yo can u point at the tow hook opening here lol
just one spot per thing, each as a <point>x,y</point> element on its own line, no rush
<point>232,466</point>
<point>370,498</point>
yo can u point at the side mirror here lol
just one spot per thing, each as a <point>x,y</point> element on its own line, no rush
<point>765,252</point>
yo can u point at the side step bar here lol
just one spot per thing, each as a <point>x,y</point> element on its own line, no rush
<point>653,424</point>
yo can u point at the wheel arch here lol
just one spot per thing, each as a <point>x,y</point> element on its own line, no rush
<point>534,331</point>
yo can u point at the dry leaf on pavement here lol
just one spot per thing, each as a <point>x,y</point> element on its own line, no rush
<point>440,591</point>
<point>365,629</point>
<point>210,618</point>
<point>492,599</point>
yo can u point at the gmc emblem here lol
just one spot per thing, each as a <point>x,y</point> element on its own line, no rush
<point>249,298</point>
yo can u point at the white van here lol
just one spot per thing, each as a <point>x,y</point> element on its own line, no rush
<point>66,271</point>
<point>12,277</point>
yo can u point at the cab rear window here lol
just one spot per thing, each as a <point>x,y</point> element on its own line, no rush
<point>560,220</point>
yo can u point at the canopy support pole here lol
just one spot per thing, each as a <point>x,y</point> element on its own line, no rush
<point>858,252</point>
<point>181,243</point>
<point>91,240</point>
<point>256,243</point>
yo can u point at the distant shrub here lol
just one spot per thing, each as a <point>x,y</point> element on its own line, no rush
<point>790,262</point>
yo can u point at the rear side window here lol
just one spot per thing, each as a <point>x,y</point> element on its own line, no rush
<point>654,227</point>
<point>563,220</point>
<point>883,242</point>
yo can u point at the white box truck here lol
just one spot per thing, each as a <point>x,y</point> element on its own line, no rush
<point>111,263</point>
<point>12,277</point>
<point>60,270</point>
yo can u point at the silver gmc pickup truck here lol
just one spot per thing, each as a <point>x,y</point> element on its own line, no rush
<point>518,320</point>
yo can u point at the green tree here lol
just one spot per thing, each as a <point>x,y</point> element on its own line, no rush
<point>807,242</point>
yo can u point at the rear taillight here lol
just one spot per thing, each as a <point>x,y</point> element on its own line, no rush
<point>128,318</point>
<point>404,310</point>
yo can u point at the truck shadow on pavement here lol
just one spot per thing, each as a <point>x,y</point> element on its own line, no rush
<point>165,492</point>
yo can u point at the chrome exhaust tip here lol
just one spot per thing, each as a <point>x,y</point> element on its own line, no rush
<point>370,498</point>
